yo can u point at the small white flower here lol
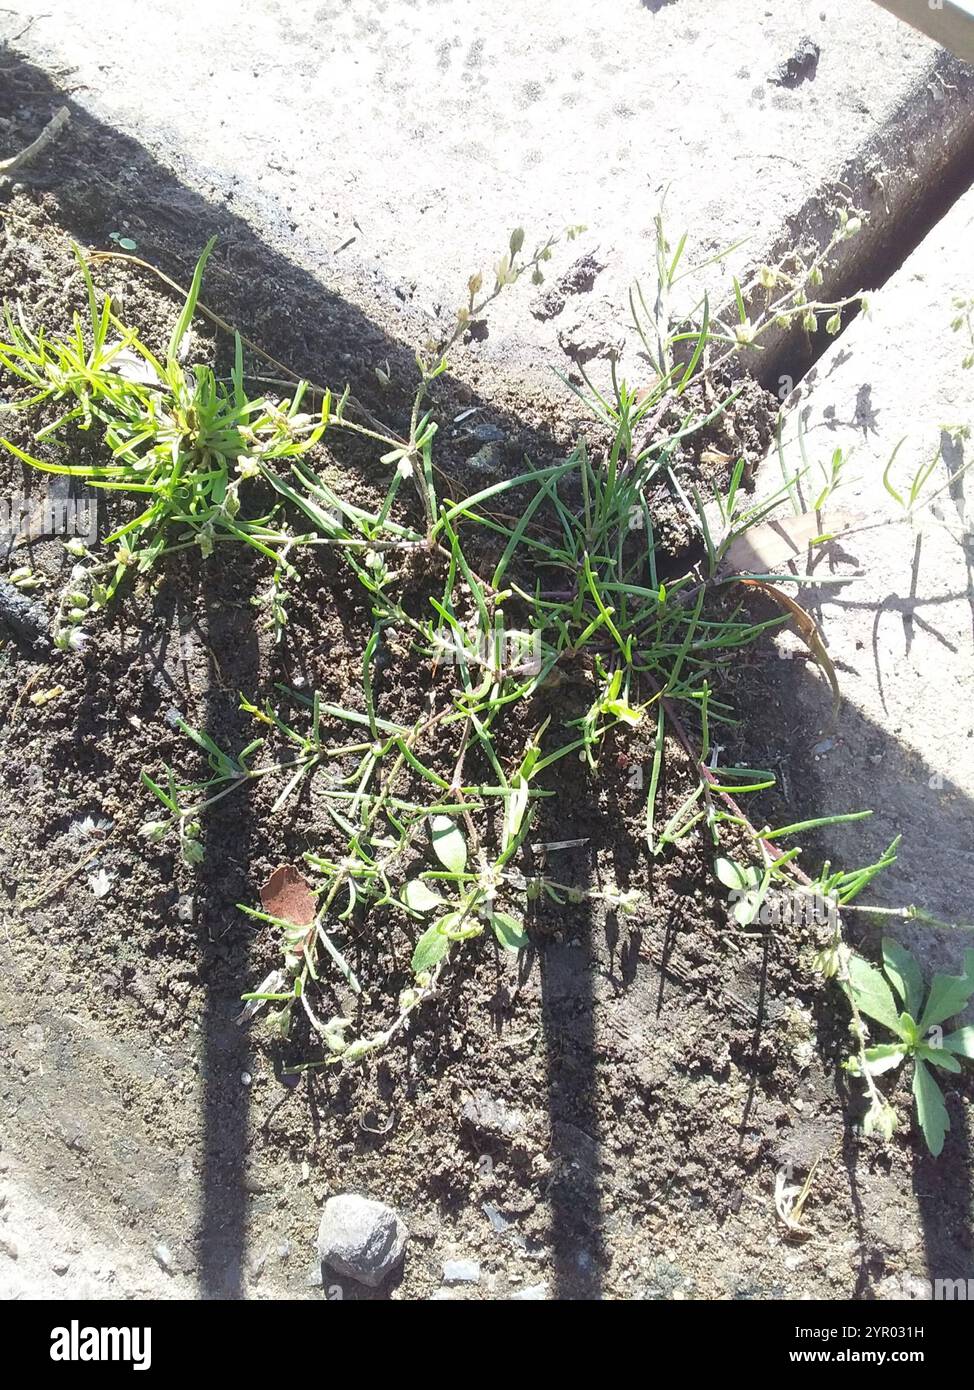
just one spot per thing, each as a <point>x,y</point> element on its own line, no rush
<point>89,828</point>
<point>404,468</point>
<point>100,883</point>
<point>77,640</point>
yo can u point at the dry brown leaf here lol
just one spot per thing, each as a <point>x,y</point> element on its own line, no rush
<point>288,895</point>
<point>808,631</point>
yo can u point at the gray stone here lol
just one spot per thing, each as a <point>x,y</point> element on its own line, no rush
<point>534,1293</point>
<point>461,1271</point>
<point>360,1238</point>
<point>497,1219</point>
<point>486,433</point>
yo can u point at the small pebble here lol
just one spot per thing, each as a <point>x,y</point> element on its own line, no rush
<point>500,1223</point>
<point>534,1293</point>
<point>461,1272</point>
<point>361,1238</point>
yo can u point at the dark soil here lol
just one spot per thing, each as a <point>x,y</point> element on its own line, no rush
<point>604,1116</point>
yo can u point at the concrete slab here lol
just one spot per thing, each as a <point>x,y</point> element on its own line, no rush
<point>902,634</point>
<point>391,148</point>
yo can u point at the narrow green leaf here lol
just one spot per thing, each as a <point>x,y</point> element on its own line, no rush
<point>189,308</point>
<point>931,1110</point>
<point>886,471</point>
<point>514,808</point>
<point>742,312</point>
<point>803,825</point>
<point>654,778</point>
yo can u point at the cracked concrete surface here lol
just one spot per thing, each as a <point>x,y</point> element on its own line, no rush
<point>902,633</point>
<point>390,148</point>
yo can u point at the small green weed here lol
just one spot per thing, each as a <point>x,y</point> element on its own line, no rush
<point>914,1016</point>
<point>181,441</point>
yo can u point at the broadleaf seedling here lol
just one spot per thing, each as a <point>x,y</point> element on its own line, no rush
<point>917,1029</point>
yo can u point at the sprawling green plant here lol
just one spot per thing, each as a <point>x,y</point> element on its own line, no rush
<point>435,839</point>
<point>182,442</point>
<point>573,590</point>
